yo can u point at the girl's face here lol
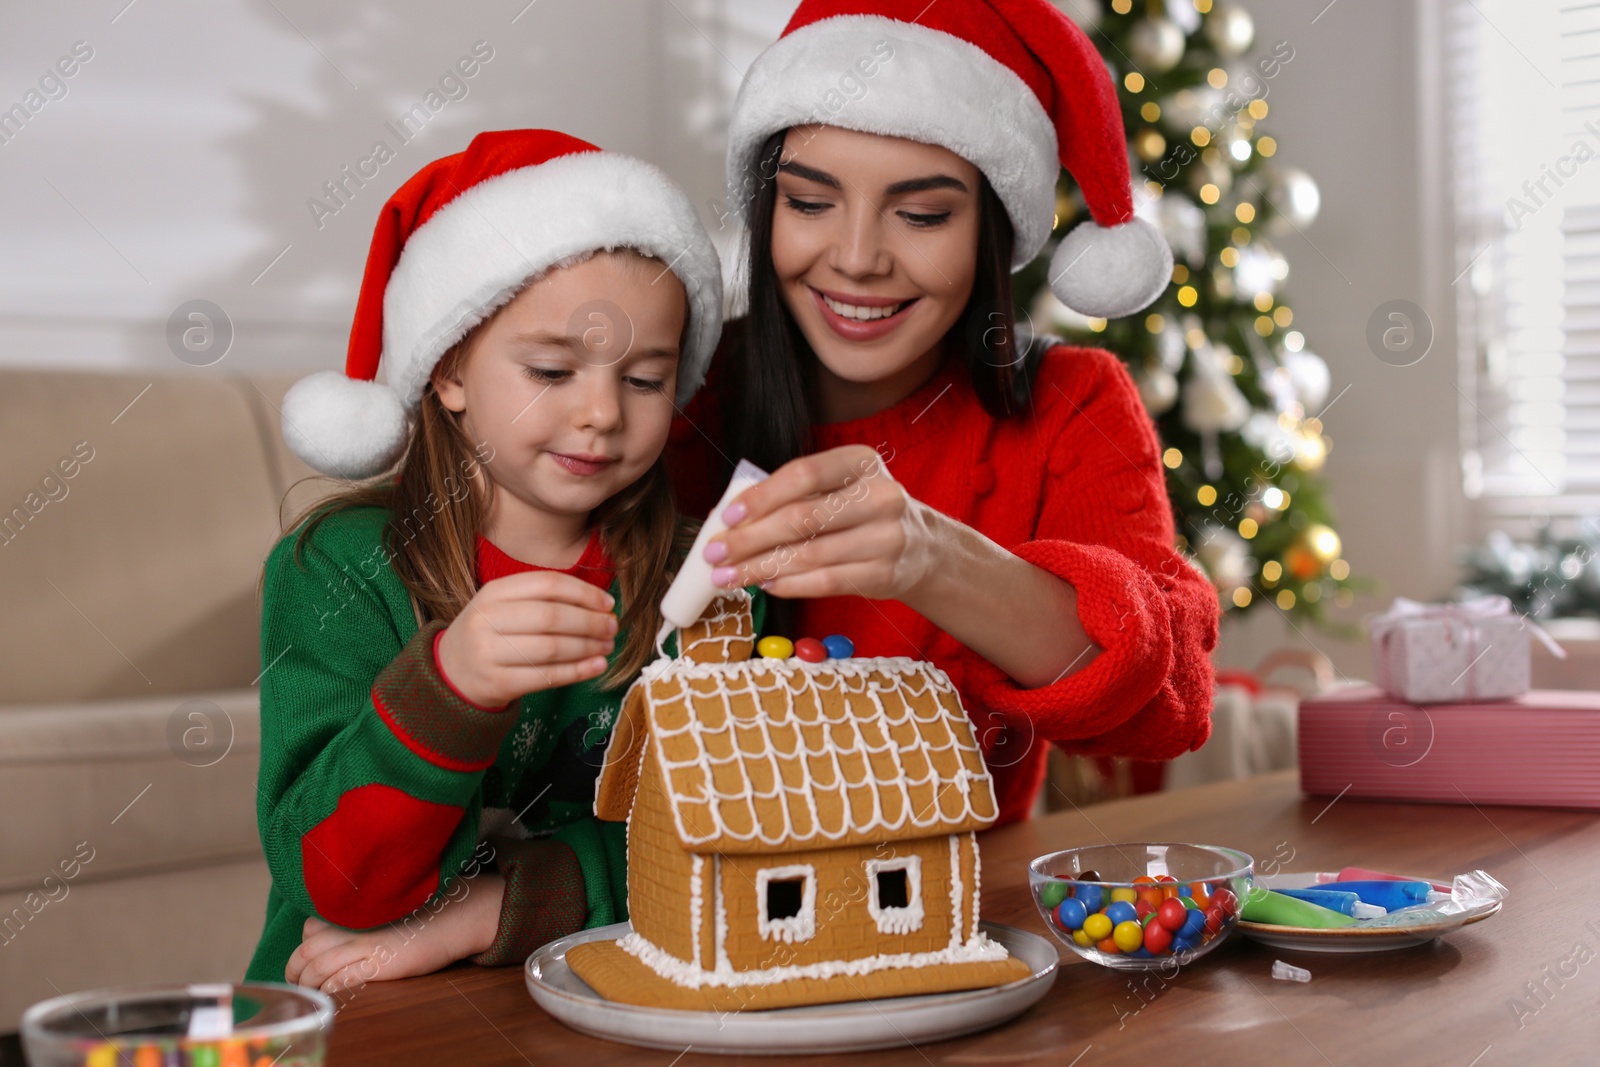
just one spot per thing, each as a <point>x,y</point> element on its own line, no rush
<point>874,242</point>
<point>571,390</point>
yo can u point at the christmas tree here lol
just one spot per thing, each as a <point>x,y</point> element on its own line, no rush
<point>1232,386</point>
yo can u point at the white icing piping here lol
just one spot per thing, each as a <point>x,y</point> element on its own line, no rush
<point>976,950</point>
<point>744,677</point>
<point>721,919</point>
<point>896,920</point>
<point>696,903</point>
<point>977,879</point>
<point>801,927</point>
<point>956,892</point>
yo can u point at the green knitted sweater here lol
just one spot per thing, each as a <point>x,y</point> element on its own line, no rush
<point>381,788</point>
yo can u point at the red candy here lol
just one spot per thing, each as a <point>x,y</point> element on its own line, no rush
<point>1214,919</point>
<point>1142,908</point>
<point>1157,938</point>
<point>1172,915</point>
<point>1223,898</point>
<point>810,649</point>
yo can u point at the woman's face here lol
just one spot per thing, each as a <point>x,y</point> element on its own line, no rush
<point>874,242</point>
<point>569,387</point>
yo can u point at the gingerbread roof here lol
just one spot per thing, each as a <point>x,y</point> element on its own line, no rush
<point>764,755</point>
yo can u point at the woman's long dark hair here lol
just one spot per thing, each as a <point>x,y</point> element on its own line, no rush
<point>770,369</point>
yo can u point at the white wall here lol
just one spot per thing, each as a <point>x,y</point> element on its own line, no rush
<point>1349,109</point>
<point>180,162</point>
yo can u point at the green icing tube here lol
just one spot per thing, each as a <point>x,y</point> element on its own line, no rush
<point>1265,906</point>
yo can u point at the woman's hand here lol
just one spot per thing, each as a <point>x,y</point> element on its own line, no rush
<point>834,523</point>
<point>336,960</point>
<point>527,632</point>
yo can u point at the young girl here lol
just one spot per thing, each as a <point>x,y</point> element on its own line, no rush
<point>896,160</point>
<point>444,651</point>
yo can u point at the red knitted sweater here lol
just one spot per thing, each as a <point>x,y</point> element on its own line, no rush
<point>1074,487</point>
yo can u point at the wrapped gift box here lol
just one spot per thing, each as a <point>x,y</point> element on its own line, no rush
<point>1439,653</point>
<point>1541,749</point>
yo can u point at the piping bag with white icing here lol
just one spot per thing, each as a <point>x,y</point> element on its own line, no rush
<point>692,590</point>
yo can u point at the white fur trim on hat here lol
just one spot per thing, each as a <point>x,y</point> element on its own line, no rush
<point>344,426</point>
<point>933,87</point>
<point>478,250</point>
<point>1109,272</point>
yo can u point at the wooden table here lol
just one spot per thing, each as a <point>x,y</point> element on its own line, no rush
<point>1452,1001</point>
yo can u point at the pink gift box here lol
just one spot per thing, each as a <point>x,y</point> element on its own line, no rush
<point>1540,750</point>
<point>1449,653</point>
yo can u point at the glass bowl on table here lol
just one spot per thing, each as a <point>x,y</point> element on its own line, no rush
<point>1110,903</point>
<point>219,1024</point>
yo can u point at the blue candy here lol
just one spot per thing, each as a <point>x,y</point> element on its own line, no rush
<point>1091,895</point>
<point>1070,913</point>
<point>1122,912</point>
<point>1194,921</point>
<point>839,646</point>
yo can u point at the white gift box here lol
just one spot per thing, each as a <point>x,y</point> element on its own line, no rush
<point>1471,651</point>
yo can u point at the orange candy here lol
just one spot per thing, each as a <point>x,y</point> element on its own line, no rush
<point>1108,946</point>
<point>1198,894</point>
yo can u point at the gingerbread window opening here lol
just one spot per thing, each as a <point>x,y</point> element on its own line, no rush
<point>786,900</point>
<point>894,899</point>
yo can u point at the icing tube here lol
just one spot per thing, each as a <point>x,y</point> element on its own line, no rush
<point>1362,874</point>
<point>1265,906</point>
<point>1346,903</point>
<point>1387,894</point>
<point>692,591</point>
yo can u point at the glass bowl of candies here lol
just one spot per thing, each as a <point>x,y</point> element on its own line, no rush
<point>220,1024</point>
<point>1138,907</point>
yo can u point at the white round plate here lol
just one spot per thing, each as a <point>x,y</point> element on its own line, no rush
<point>1367,936</point>
<point>848,1027</point>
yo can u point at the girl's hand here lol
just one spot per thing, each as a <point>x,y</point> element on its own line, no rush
<point>835,523</point>
<point>527,632</point>
<point>335,960</point>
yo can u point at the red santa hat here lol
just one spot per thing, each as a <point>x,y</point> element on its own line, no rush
<point>1012,86</point>
<point>460,239</point>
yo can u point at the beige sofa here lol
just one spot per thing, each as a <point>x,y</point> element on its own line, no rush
<point>135,512</point>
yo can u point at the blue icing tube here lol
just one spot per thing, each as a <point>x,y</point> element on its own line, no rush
<point>1338,900</point>
<point>1390,895</point>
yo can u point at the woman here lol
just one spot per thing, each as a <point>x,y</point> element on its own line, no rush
<point>941,488</point>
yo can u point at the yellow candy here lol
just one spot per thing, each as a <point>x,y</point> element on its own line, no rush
<point>1083,939</point>
<point>1128,936</point>
<point>1097,926</point>
<point>1129,895</point>
<point>775,647</point>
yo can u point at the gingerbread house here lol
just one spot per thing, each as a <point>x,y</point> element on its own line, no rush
<point>799,833</point>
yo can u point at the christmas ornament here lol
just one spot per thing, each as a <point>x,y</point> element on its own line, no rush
<point>1225,557</point>
<point>1261,267</point>
<point>1185,14</point>
<point>1310,375</point>
<point>1293,197</point>
<point>1199,106</point>
<point>1156,44</point>
<point>1182,223</point>
<point>1158,388</point>
<point>1212,402</point>
<point>1229,28</point>
<point>1171,348</point>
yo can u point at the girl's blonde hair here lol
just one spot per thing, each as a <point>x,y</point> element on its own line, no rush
<point>441,505</point>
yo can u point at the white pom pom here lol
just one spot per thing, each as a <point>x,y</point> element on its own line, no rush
<point>344,426</point>
<point>1108,273</point>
